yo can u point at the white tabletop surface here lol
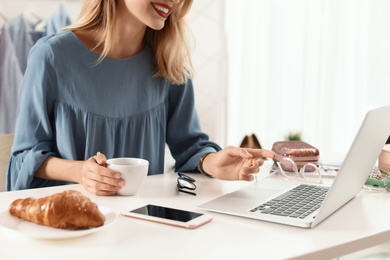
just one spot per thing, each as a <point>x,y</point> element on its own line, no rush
<point>362,223</point>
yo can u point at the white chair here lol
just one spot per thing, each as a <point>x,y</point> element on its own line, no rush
<point>6,141</point>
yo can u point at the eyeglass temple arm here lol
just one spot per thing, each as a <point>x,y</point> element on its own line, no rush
<point>188,192</point>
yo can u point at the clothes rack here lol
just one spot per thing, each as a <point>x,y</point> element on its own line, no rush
<point>24,23</point>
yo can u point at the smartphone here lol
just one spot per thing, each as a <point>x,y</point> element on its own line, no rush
<point>170,216</point>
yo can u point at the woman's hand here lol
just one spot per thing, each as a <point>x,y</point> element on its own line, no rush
<point>234,163</point>
<point>98,179</point>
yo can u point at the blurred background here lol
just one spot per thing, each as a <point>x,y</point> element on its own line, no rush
<point>272,67</point>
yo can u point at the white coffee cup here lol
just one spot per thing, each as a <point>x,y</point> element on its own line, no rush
<point>384,159</point>
<point>133,171</point>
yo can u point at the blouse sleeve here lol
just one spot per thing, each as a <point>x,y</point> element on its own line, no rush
<point>185,138</point>
<point>33,133</point>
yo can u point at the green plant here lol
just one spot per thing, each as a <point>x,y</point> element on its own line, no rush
<point>294,136</point>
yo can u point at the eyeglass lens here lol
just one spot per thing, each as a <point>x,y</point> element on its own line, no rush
<point>309,171</point>
<point>185,177</point>
<point>185,183</point>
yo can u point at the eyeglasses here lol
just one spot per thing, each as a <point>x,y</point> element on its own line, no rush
<point>308,172</point>
<point>185,184</point>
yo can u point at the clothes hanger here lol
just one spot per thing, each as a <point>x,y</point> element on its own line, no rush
<point>30,15</point>
<point>2,16</point>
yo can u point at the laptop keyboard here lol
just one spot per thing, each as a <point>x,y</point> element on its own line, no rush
<point>299,202</point>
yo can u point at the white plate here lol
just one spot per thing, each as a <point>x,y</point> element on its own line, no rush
<point>33,230</point>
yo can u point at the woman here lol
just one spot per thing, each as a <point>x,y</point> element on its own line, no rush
<point>118,82</point>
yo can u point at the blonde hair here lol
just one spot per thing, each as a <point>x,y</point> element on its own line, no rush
<point>170,45</point>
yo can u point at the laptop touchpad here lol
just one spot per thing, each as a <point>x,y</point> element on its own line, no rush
<point>254,193</point>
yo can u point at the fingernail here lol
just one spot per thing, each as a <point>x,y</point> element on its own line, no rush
<point>121,183</point>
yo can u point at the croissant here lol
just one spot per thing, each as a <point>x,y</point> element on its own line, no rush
<point>67,210</point>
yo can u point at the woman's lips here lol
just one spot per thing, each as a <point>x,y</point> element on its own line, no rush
<point>161,9</point>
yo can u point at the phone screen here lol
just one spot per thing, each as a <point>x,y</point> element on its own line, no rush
<point>167,213</point>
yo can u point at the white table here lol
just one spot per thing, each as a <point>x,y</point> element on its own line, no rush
<point>362,223</point>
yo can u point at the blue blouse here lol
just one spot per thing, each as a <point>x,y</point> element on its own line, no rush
<point>72,107</point>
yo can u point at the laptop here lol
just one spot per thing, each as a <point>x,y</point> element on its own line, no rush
<point>254,200</point>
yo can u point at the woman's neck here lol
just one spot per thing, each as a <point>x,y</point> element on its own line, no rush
<point>127,39</point>
<point>125,43</point>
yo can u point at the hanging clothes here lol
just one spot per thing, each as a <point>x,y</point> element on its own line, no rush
<point>17,37</point>
<point>58,21</point>
<point>15,43</point>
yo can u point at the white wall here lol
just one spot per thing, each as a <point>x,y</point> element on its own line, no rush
<point>206,20</point>
<point>314,66</point>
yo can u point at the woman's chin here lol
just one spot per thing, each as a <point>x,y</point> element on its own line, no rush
<point>157,26</point>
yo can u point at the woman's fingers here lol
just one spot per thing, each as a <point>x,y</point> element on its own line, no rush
<point>248,152</point>
<point>98,179</point>
<point>247,177</point>
<point>100,159</point>
<point>99,192</point>
<point>105,177</point>
<point>261,153</point>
